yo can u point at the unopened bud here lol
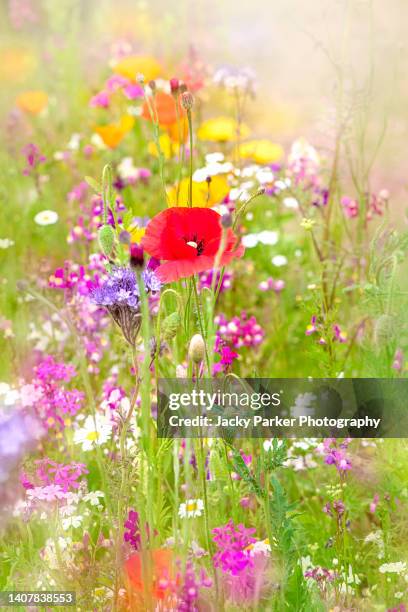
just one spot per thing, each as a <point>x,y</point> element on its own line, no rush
<point>106,239</point>
<point>226,220</point>
<point>174,85</point>
<point>196,349</point>
<point>136,256</point>
<point>182,88</point>
<point>187,100</point>
<point>170,326</point>
<point>152,85</point>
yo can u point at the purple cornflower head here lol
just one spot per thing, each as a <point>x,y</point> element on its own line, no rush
<point>239,331</point>
<point>272,285</point>
<point>335,453</point>
<point>205,280</point>
<point>190,585</point>
<point>398,362</point>
<point>34,158</point>
<point>120,295</point>
<point>132,530</point>
<point>232,542</point>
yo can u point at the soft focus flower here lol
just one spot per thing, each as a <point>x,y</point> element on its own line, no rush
<point>95,431</point>
<point>222,129</point>
<point>261,151</point>
<point>46,217</point>
<point>191,508</point>
<point>132,65</point>
<point>163,108</point>
<point>188,240</point>
<point>112,134</point>
<point>32,102</point>
<point>205,193</point>
<point>6,243</point>
<point>162,572</point>
<point>398,567</point>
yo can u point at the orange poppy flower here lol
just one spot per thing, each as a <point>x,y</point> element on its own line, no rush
<point>32,102</point>
<point>165,106</point>
<point>162,573</point>
<point>112,134</point>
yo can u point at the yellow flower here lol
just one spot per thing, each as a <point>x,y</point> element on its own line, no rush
<point>221,129</point>
<point>112,133</point>
<point>32,102</point>
<point>136,233</point>
<point>204,194</point>
<point>168,148</point>
<point>307,224</point>
<point>261,151</point>
<point>16,64</point>
<point>129,67</point>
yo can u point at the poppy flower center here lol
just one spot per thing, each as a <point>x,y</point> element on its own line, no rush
<point>196,244</point>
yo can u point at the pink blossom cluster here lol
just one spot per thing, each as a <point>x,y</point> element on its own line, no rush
<point>116,83</point>
<point>271,284</point>
<point>52,402</point>
<point>321,574</point>
<point>232,543</point>
<point>239,331</point>
<point>335,453</point>
<point>375,205</point>
<point>49,472</point>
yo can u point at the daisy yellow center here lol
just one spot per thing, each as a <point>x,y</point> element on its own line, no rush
<point>93,435</point>
<point>192,506</point>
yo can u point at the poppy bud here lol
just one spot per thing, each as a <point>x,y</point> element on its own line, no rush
<point>106,239</point>
<point>226,220</point>
<point>152,85</point>
<point>124,237</point>
<point>187,100</point>
<point>182,88</point>
<point>174,85</point>
<point>196,349</point>
<point>170,326</point>
<point>136,256</point>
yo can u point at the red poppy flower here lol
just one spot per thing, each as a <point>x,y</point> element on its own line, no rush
<point>187,239</point>
<point>165,107</point>
<point>162,577</point>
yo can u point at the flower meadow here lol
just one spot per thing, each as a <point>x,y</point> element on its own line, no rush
<point>152,227</point>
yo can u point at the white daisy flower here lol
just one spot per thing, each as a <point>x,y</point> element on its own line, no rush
<point>279,260</point>
<point>46,217</point>
<point>191,508</point>
<point>93,432</point>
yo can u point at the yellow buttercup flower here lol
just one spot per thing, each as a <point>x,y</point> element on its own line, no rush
<point>136,233</point>
<point>261,151</point>
<point>32,102</point>
<point>112,134</point>
<point>204,193</point>
<point>129,67</point>
<point>222,129</point>
<point>167,146</point>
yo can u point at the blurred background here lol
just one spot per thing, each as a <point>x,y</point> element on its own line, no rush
<point>305,54</point>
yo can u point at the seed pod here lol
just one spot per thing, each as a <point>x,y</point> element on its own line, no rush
<point>196,349</point>
<point>170,326</point>
<point>106,239</point>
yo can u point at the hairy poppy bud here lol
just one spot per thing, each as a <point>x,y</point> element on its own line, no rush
<point>187,100</point>
<point>196,349</point>
<point>106,239</point>
<point>170,326</point>
<point>226,220</point>
<point>152,85</point>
